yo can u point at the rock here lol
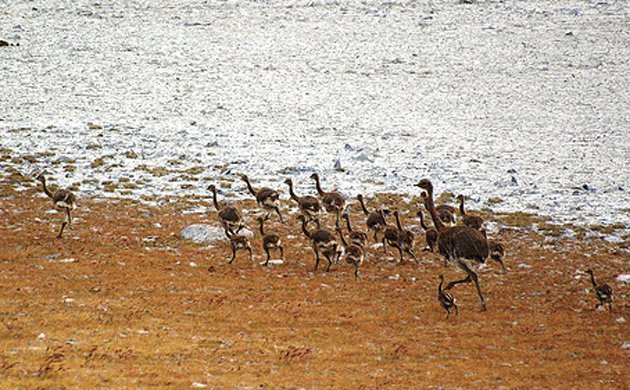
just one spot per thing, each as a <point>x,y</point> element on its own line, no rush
<point>203,234</point>
<point>624,278</point>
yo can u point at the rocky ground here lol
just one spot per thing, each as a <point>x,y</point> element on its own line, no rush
<point>123,302</point>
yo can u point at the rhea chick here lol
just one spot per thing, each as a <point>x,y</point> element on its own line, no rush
<point>446,299</point>
<point>64,200</point>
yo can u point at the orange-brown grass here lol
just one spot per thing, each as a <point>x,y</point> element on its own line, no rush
<point>132,312</point>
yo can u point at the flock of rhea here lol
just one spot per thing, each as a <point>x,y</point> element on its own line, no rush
<point>464,244</point>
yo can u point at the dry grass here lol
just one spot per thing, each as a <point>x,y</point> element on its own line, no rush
<point>132,312</point>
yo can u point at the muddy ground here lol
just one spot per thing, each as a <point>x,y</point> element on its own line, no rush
<point>122,302</point>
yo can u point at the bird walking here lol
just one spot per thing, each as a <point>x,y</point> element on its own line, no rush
<point>64,200</point>
<point>603,292</point>
<point>446,299</point>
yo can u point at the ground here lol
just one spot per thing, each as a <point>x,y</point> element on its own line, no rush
<point>122,302</point>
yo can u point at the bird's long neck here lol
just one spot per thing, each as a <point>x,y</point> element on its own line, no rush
<point>46,190</point>
<point>398,224</point>
<point>304,230</point>
<point>215,201</point>
<point>428,202</point>
<point>343,239</point>
<point>292,193</point>
<point>262,227</point>
<point>365,210</point>
<point>319,187</point>
<point>593,280</point>
<point>422,222</point>
<point>348,225</point>
<point>461,206</point>
<point>249,186</point>
<point>440,286</point>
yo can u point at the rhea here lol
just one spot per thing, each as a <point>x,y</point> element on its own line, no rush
<point>322,243</point>
<point>469,220</point>
<point>406,239</point>
<point>463,246</point>
<point>603,292</point>
<point>431,235</point>
<point>229,216</point>
<point>309,205</point>
<point>270,241</point>
<point>375,220</point>
<point>63,200</point>
<point>333,202</point>
<point>266,198</point>
<point>238,243</point>
<point>356,237</point>
<point>446,299</point>
<point>354,253</point>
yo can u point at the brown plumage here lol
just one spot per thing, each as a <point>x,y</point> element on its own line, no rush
<point>354,254</point>
<point>446,299</point>
<point>431,235</point>
<point>229,216</point>
<point>266,198</point>
<point>462,245</point>
<point>270,241</point>
<point>446,213</point>
<point>375,220</point>
<point>238,243</point>
<point>322,243</point>
<point>309,205</point>
<point>356,237</point>
<point>603,292</point>
<point>472,221</point>
<point>64,201</point>
<point>334,202</point>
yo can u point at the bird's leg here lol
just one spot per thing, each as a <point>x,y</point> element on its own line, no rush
<point>233,254</point>
<point>329,262</point>
<point>63,225</point>
<point>375,238</point>
<point>69,216</point>
<point>282,253</point>
<point>401,254</point>
<point>249,249</point>
<point>316,260</point>
<point>357,274</point>
<point>475,279</point>
<point>456,309</point>
<point>279,214</point>
<point>268,256</point>
<point>448,312</point>
<point>610,307</point>
<point>454,283</point>
<point>412,254</point>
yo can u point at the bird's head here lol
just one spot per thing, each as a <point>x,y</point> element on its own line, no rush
<point>425,184</point>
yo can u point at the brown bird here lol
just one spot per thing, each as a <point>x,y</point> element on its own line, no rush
<point>356,237</point>
<point>270,240</point>
<point>63,200</point>
<point>322,243</point>
<point>446,213</point>
<point>406,239</point>
<point>603,292</point>
<point>472,221</point>
<point>446,299</point>
<point>354,253</point>
<point>309,205</point>
<point>464,246</point>
<point>375,220</point>
<point>229,216</point>
<point>238,243</point>
<point>333,202</point>
<point>266,198</point>
<point>431,235</point>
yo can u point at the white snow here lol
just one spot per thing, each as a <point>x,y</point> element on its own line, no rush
<point>391,91</point>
